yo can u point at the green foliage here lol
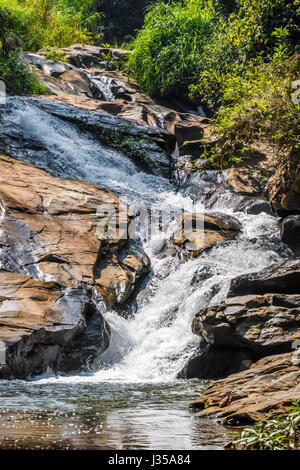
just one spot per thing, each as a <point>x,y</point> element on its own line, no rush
<point>257,105</point>
<point>275,434</point>
<point>40,23</point>
<point>17,76</point>
<point>237,57</point>
<point>196,42</point>
<point>50,23</point>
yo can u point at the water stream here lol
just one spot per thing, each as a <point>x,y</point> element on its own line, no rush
<point>132,399</point>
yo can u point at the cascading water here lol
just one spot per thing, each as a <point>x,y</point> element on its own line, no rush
<point>152,345</point>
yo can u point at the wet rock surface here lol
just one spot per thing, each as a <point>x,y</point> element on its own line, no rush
<point>52,229</point>
<point>283,278</point>
<point>85,73</point>
<point>43,324</point>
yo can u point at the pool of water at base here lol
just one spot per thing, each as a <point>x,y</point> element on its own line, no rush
<point>99,416</point>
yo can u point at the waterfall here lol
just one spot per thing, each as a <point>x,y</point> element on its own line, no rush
<point>154,343</point>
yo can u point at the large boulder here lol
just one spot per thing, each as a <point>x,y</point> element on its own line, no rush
<point>266,390</point>
<point>260,317</point>
<point>83,56</point>
<point>53,229</point>
<point>43,324</point>
<point>198,232</point>
<point>263,324</point>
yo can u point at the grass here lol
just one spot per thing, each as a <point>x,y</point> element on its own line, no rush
<point>49,24</point>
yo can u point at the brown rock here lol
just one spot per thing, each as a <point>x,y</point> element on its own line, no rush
<point>53,229</point>
<point>46,325</point>
<point>263,324</point>
<point>260,317</point>
<point>283,278</point>
<point>265,390</point>
<point>79,79</point>
<point>188,131</point>
<point>243,182</point>
<point>193,148</point>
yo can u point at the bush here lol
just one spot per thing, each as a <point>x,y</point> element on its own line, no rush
<point>257,105</point>
<point>275,434</point>
<point>51,23</point>
<point>168,49</point>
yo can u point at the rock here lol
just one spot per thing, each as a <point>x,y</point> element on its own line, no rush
<point>244,182</point>
<point>86,56</point>
<point>35,59</point>
<point>284,186</point>
<point>80,79</point>
<point>267,389</point>
<point>254,206</point>
<point>59,87</point>
<point>193,148</point>
<point>55,68</point>
<point>199,232</point>
<point>83,55</point>
<point>149,147</point>
<point>187,131</point>
<point>53,230</point>
<point>283,278</point>
<point>290,232</point>
<point>210,362</point>
<point>46,325</point>
<point>117,95</point>
<point>260,317</point>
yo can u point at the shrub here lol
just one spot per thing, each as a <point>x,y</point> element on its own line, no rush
<point>167,50</point>
<point>257,106</point>
<point>275,434</point>
<point>197,42</point>
<point>17,75</point>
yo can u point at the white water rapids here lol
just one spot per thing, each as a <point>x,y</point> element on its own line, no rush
<point>155,343</point>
